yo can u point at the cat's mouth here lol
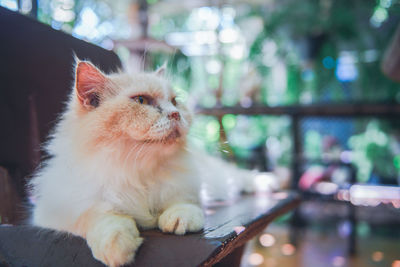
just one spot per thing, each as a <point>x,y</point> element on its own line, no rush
<point>175,134</point>
<point>171,138</point>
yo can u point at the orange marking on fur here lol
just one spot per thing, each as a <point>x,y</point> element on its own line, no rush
<point>82,224</point>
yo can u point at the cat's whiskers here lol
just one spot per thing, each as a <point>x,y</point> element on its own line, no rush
<point>139,151</point>
<point>195,135</point>
<point>146,152</point>
<point>129,154</point>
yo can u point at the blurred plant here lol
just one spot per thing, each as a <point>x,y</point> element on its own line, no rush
<point>205,133</point>
<point>215,48</point>
<point>247,136</point>
<point>295,46</point>
<point>283,52</point>
<point>310,36</point>
<point>302,57</point>
<point>375,153</point>
<point>313,145</point>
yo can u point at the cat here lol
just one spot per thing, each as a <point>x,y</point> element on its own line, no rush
<point>119,163</point>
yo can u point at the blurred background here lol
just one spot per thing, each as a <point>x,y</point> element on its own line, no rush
<point>291,88</point>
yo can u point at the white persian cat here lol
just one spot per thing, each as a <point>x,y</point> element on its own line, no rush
<point>119,162</point>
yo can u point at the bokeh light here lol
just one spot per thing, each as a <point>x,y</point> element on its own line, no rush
<point>377,256</point>
<point>267,240</point>
<point>255,259</point>
<point>338,261</point>
<point>239,229</point>
<point>288,249</point>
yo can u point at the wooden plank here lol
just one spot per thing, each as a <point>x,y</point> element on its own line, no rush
<point>228,227</point>
<point>253,213</point>
<point>10,200</point>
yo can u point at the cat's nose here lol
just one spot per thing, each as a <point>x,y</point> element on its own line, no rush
<point>174,116</point>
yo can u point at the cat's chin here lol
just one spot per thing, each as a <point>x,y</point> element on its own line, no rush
<point>175,137</point>
<point>168,145</point>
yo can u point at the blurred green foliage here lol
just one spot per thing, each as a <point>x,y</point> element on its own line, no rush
<point>375,150</point>
<point>294,57</point>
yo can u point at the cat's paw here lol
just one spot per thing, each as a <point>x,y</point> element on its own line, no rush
<point>181,218</point>
<point>114,240</point>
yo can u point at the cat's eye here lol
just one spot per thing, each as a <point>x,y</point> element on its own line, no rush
<point>173,101</point>
<point>141,99</point>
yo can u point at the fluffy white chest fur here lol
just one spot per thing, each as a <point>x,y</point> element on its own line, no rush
<point>66,189</point>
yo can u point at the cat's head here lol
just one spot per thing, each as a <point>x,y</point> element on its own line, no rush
<point>140,110</point>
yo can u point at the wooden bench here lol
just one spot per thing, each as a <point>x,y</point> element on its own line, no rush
<point>228,227</point>
<point>36,75</point>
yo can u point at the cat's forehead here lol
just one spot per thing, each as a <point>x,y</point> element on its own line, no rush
<point>143,83</point>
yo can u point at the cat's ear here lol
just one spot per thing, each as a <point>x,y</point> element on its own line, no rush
<point>161,70</point>
<point>89,83</point>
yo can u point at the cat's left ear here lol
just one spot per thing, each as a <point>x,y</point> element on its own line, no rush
<point>89,84</point>
<point>161,70</point>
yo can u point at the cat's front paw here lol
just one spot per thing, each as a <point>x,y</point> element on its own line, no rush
<point>181,218</point>
<point>114,240</point>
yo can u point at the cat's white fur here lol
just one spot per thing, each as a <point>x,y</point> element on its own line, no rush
<point>104,185</point>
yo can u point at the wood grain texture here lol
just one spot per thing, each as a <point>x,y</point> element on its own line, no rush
<point>10,200</point>
<point>228,227</point>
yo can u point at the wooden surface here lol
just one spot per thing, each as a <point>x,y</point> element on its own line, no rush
<point>228,227</point>
<point>9,198</point>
